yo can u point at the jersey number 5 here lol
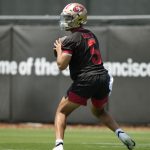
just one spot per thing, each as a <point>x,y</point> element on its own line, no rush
<point>96,56</point>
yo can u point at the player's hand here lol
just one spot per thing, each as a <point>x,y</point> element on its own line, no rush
<point>57,47</point>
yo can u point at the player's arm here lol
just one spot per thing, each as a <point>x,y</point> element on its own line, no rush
<point>63,59</point>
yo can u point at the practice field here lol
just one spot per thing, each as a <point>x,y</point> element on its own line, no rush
<point>76,138</point>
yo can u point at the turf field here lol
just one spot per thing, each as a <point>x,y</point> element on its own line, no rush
<point>76,138</point>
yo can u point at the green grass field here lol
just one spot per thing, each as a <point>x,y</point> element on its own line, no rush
<point>85,138</point>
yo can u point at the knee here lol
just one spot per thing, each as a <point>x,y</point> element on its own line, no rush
<point>62,111</point>
<point>98,112</point>
<point>66,107</point>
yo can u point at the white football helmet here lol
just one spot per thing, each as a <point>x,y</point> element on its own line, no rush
<point>73,16</point>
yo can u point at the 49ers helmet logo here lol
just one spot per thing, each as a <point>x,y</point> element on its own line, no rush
<point>78,9</point>
<point>73,16</point>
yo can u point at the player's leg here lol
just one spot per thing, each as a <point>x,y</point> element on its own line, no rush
<point>99,100</point>
<point>108,120</point>
<point>99,111</point>
<point>65,107</point>
<point>69,103</point>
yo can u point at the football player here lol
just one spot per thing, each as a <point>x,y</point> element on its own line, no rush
<point>80,51</point>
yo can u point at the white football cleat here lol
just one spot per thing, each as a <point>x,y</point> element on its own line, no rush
<point>59,147</point>
<point>126,139</point>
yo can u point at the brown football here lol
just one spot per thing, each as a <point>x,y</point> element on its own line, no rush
<point>61,39</point>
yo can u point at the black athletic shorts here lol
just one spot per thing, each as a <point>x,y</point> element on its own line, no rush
<point>96,88</point>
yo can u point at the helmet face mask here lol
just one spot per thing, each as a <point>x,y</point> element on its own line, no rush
<point>73,16</point>
<point>65,20</point>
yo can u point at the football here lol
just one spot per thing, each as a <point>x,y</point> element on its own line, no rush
<point>61,39</point>
<point>55,53</point>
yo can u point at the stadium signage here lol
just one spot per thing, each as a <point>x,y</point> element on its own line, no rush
<point>128,68</point>
<point>42,67</point>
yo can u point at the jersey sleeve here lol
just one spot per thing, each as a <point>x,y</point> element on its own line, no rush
<point>68,45</point>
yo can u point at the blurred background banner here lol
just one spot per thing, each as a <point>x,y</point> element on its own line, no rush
<point>31,85</point>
